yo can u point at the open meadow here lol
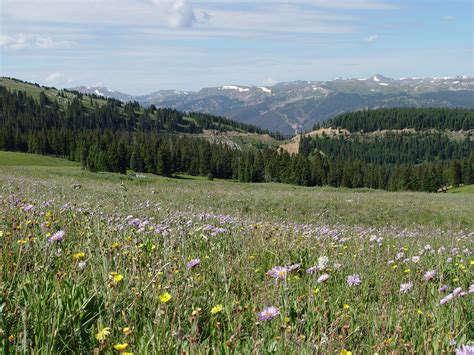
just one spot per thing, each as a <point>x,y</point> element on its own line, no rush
<point>106,263</point>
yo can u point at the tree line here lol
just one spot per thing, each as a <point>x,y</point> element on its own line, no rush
<point>103,139</point>
<point>401,118</point>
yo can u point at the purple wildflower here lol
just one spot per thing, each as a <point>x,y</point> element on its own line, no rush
<point>354,280</point>
<point>311,270</point>
<point>56,237</point>
<point>323,278</point>
<point>293,267</point>
<point>268,313</point>
<point>278,272</point>
<point>465,350</point>
<point>429,275</point>
<point>443,288</point>
<point>404,288</point>
<point>193,263</point>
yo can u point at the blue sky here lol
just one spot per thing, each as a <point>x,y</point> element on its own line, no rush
<point>138,46</point>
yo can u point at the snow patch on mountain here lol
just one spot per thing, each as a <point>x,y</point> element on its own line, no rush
<point>264,89</point>
<point>233,87</point>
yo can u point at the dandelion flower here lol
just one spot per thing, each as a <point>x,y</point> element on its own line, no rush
<point>216,309</point>
<point>268,313</point>
<point>405,288</point>
<point>165,297</point>
<point>120,347</point>
<point>353,280</point>
<point>79,255</point>
<point>116,277</point>
<point>102,334</point>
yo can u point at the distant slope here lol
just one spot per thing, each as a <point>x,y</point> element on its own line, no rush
<point>295,106</point>
<point>109,112</point>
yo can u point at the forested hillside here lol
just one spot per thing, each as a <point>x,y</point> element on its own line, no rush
<point>107,135</point>
<point>405,118</point>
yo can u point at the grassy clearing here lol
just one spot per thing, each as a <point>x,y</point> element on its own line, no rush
<point>462,189</point>
<point>23,159</point>
<point>122,266</point>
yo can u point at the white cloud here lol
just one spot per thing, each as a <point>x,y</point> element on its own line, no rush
<point>46,42</point>
<point>53,77</point>
<point>22,41</point>
<point>178,13</point>
<point>371,38</point>
<point>14,42</point>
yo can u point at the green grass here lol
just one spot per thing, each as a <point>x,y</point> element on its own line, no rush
<point>23,159</point>
<point>462,189</point>
<point>56,297</point>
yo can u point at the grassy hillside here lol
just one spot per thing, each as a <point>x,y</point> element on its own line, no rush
<point>240,135</point>
<point>346,270</point>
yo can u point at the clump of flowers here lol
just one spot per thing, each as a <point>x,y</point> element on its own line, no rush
<point>354,280</point>
<point>268,313</point>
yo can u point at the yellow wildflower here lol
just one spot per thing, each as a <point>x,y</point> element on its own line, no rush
<point>165,297</point>
<point>216,309</point>
<point>346,352</point>
<point>120,347</point>
<point>346,306</point>
<point>407,271</point>
<point>11,338</point>
<point>118,278</point>
<point>127,331</point>
<point>102,334</point>
<point>1,235</point>
<point>79,255</point>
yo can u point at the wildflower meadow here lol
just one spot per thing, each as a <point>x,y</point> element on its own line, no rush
<point>96,263</point>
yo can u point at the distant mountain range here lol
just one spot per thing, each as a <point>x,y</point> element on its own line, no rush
<point>293,106</point>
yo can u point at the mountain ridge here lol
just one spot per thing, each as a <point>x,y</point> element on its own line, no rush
<point>290,107</point>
